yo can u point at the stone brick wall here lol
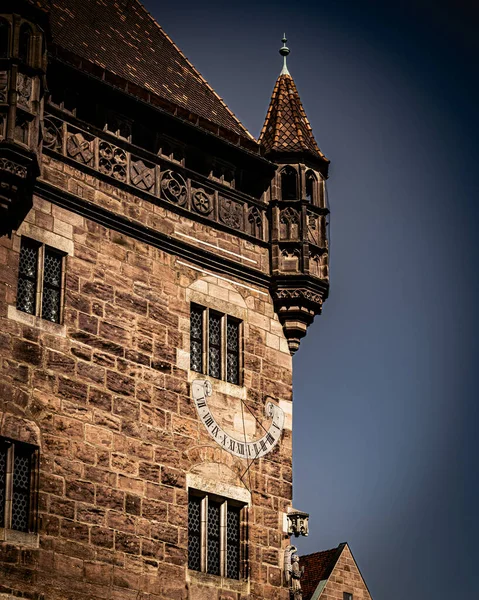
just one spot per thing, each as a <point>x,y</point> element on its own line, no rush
<point>345,577</point>
<point>106,397</point>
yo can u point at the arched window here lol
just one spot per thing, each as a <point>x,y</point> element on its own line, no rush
<point>310,187</point>
<point>24,44</point>
<point>4,38</point>
<point>289,184</point>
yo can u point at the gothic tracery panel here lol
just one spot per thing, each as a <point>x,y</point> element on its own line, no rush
<point>112,161</point>
<point>80,147</point>
<point>173,188</point>
<point>231,213</point>
<point>142,175</point>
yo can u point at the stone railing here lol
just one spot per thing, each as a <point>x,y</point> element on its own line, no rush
<point>154,176</point>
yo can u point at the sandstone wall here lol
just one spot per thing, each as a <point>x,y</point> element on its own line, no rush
<point>106,397</point>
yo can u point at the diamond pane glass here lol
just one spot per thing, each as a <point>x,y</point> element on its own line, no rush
<point>232,542</point>
<point>21,488</point>
<point>27,277</point>
<point>52,281</point>
<point>194,533</point>
<point>215,362</point>
<point>232,355</point>
<point>196,339</point>
<point>213,538</point>
<point>215,329</point>
<point>3,478</point>
<point>214,350</point>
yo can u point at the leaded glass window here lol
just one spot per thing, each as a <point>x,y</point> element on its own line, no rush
<point>196,338</point>
<point>232,351</point>
<point>52,285</point>
<point>213,537</point>
<point>214,345</point>
<point>214,540</point>
<point>232,541</point>
<point>27,276</point>
<point>21,488</point>
<point>194,533</point>
<point>215,342</point>
<point>16,467</point>
<point>3,482</point>
<point>40,280</point>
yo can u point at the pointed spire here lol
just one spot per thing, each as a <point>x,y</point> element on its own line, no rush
<point>286,128</point>
<point>284,51</point>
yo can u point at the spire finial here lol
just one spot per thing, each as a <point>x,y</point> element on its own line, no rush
<point>284,51</point>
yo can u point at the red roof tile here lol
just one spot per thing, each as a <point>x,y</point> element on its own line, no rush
<point>121,37</point>
<point>317,566</point>
<point>286,127</point>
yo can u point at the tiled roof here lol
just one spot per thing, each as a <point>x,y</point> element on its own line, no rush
<point>286,127</point>
<point>121,37</point>
<point>317,566</point>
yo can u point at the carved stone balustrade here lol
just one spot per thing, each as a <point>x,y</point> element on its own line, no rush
<point>156,177</point>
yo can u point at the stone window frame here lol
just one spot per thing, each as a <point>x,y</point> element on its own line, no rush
<point>205,497</point>
<point>42,249</point>
<point>224,351</point>
<point>7,532</point>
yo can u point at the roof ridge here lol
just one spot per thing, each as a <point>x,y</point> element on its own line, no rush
<point>195,69</point>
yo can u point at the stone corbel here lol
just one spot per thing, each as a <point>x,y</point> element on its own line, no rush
<point>298,522</point>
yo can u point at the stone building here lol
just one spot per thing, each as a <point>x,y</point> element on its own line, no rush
<point>158,268</point>
<point>333,575</point>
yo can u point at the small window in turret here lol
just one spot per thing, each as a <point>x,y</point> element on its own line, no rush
<point>289,184</point>
<point>25,43</point>
<point>311,187</point>
<point>4,38</point>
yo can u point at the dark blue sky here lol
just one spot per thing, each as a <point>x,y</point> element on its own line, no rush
<point>386,403</point>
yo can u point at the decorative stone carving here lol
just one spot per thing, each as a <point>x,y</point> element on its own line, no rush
<point>313,229</point>
<point>3,86</point>
<point>80,148</point>
<point>13,168</point>
<point>52,133</point>
<point>255,223</point>
<point>202,202</point>
<point>231,213</point>
<point>298,523</point>
<point>173,188</point>
<point>315,263</point>
<point>112,161</point>
<point>293,572</point>
<point>289,224</point>
<point>24,90</point>
<point>300,293</point>
<point>289,259</point>
<point>141,175</point>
